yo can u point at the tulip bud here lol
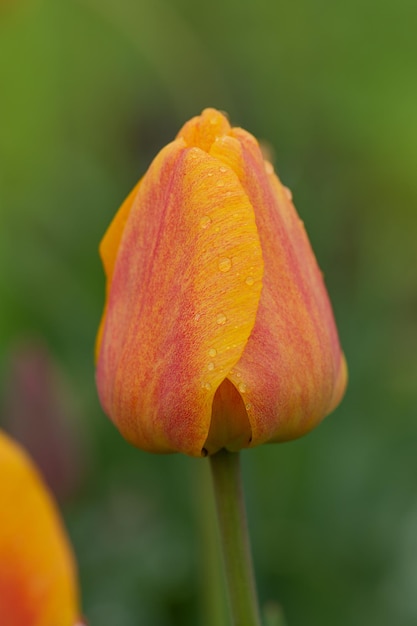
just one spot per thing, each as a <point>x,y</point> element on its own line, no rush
<point>37,571</point>
<point>38,412</point>
<point>217,330</point>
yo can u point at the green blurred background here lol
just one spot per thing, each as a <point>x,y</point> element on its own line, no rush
<point>90,90</point>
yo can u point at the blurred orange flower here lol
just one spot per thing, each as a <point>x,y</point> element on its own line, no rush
<point>37,571</point>
<point>217,330</point>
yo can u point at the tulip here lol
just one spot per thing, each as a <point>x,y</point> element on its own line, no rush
<point>37,571</point>
<point>38,412</point>
<point>217,330</point>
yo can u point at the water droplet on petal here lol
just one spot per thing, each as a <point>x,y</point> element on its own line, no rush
<point>242,387</point>
<point>250,280</point>
<point>248,406</point>
<point>212,352</point>
<point>206,386</point>
<point>209,173</point>
<point>210,366</point>
<point>205,221</point>
<point>220,183</point>
<point>288,193</point>
<point>197,317</point>
<point>223,169</point>
<point>221,318</point>
<point>225,264</point>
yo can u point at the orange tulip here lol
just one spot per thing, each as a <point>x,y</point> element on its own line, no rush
<point>217,330</point>
<point>37,571</point>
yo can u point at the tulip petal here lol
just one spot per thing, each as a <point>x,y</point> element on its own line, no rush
<point>292,372</point>
<point>179,310</point>
<point>203,130</point>
<point>37,571</point>
<point>108,251</point>
<point>229,426</point>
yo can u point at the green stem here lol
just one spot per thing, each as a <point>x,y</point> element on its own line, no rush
<point>214,608</point>
<point>231,514</point>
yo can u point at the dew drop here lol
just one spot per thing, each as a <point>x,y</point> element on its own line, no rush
<point>221,319</point>
<point>242,387</point>
<point>225,264</point>
<point>209,173</point>
<point>212,352</point>
<point>250,280</point>
<point>206,386</point>
<point>223,169</point>
<point>197,317</point>
<point>220,183</point>
<point>205,221</point>
<point>210,366</point>
<point>288,193</point>
<point>248,406</point>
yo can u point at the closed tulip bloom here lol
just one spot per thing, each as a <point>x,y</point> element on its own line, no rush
<point>37,571</point>
<point>217,330</point>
